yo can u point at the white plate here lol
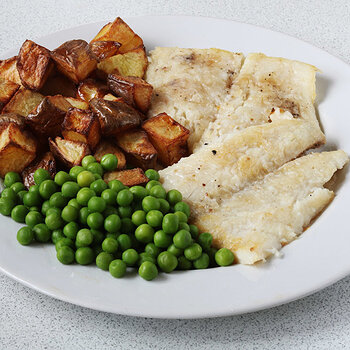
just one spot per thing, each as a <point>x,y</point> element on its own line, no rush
<point>319,258</point>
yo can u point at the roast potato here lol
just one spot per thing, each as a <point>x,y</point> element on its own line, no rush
<point>81,125</point>
<point>111,97</point>
<point>45,161</point>
<point>75,59</point>
<point>59,84</point>
<point>90,88</point>
<point>34,65</point>
<point>131,177</point>
<point>9,118</point>
<point>17,149</point>
<point>104,49</point>
<point>114,116</point>
<point>106,147</point>
<point>77,103</point>
<point>47,118</point>
<point>69,153</point>
<point>119,31</point>
<point>139,150</point>
<point>23,102</point>
<point>8,70</point>
<point>134,91</point>
<point>168,137</point>
<point>7,90</point>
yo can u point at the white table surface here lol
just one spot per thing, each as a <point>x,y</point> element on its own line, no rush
<point>30,320</point>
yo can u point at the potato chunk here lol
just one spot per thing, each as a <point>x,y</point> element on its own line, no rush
<point>45,161</point>
<point>132,63</point>
<point>47,118</point>
<point>139,150</point>
<point>59,84</point>
<point>23,102</point>
<point>69,153</point>
<point>81,125</point>
<point>90,88</point>
<point>115,116</point>
<point>8,70</point>
<point>77,103</point>
<point>111,97</point>
<point>168,137</point>
<point>134,91</point>
<point>7,90</point>
<point>8,118</point>
<point>34,65</point>
<point>17,149</point>
<point>131,177</point>
<point>119,31</point>
<point>105,147</point>
<point>104,49</point>
<point>75,59</point>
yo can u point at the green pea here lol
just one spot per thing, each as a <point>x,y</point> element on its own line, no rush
<point>9,193</point>
<point>88,160</point>
<point>18,186</point>
<point>138,192</point>
<point>167,261</point>
<point>181,216</point>
<point>194,231</point>
<point>103,260</point>
<point>174,196</point>
<point>144,233</point>
<point>53,221</point>
<point>152,249</point>
<point>150,203</point>
<point>42,233</point>
<point>205,239</point>
<point>31,199</point>
<point>109,196</point>
<point>6,206</point>
<point>10,178</point>
<point>152,174</point>
<point>62,177</point>
<point>41,175</point>
<point>56,236</point>
<point>34,208</point>
<point>161,239</point>
<point>70,189</point>
<point>34,189</point>
<point>70,230</point>
<point>154,218</point>
<point>84,238</point>
<point>152,183</point>
<point>51,210</point>
<point>57,200</point>
<point>182,239</point>
<point>127,226</point>
<point>158,192</point>
<point>33,218</point>
<point>117,268</point>
<point>146,257</point>
<point>45,207</point>
<point>148,271</point>
<point>83,215</point>
<point>47,188</point>
<point>110,210</point>
<point>110,245</point>
<point>164,206</point>
<point>70,213</point>
<point>183,263</point>
<point>184,226</point>
<point>184,207</point>
<point>95,220</point>
<point>125,212</point>
<point>116,185</point>
<point>98,236</point>
<point>125,198</point>
<point>64,242</point>
<point>84,195</point>
<point>112,223</point>
<point>224,257</point>
<point>130,257</point>
<point>138,217</point>
<point>85,178</point>
<point>109,162</point>
<point>20,196</point>
<point>84,256</point>
<point>75,171</point>
<point>98,186</point>
<point>65,255</point>
<point>202,262</point>
<point>74,203</point>
<point>18,213</point>
<point>95,168</point>
<point>193,252</point>
<point>174,250</point>
<point>170,223</point>
<point>25,235</point>
<point>124,242</point>
<point>211,252</point>
<point>96,204</point>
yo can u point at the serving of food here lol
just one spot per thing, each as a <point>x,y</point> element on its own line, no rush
<point>172,159</point>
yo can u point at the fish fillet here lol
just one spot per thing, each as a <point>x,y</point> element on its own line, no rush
<point>257,221</point>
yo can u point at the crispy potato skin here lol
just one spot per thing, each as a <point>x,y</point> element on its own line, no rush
<point>104,49</point>
<point>8,70</point>
<point>34,65</point>
<point>75,59</point>
<point>7,90</point>
<point>130,177</point>
<point>135,91</point>
<point>119,31</point>
<point>46,161</point>
<point>69,153</point>
<point>90,88</point>
<point>139,150</point>
<point>105,147</point>
<point>114,116</point>
<point>168,137</point>
<point>59,84</point>
<point>48,117</point>
<point>17,149</point>
<point>8,118</point>
<point>81,125</point>
<point>23,102</point>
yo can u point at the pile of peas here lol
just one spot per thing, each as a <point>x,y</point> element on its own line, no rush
<point>110,224</point>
